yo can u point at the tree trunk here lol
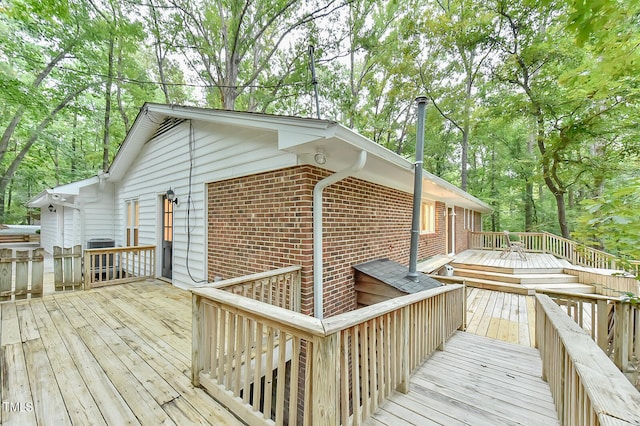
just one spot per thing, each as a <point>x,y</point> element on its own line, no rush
<point>528,199</point>
<point>107,110</point>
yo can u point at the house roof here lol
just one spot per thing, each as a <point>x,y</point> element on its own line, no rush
<point>61,194</point>
<point>304,137</point>
<point>395,274</point>
<point>301,136</point>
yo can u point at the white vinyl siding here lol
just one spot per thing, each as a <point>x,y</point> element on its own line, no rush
<point>219,152</point>
<point>97,212</point>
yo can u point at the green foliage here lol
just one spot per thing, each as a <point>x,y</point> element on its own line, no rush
<point>548,104</point>
<point>611,220</point>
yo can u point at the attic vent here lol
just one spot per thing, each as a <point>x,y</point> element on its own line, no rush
<point>168,124</point>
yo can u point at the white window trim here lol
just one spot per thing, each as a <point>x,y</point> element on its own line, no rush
<point>131,227</point>
<point>431,228</point>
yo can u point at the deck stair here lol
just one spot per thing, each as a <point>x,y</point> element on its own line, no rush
<point>518,276</point>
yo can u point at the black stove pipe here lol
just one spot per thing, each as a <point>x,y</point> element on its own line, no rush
<point>417,189</point>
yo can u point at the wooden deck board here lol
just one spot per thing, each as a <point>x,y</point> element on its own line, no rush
<point>504,316</point>
<point>478,381</point>
<point>114,355</point>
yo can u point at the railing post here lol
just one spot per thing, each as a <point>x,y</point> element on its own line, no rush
<point>441,300</point>
<point>602,324</point>
<point>325,381</point>
<point>621,336</point>
<point>197,358</point>
<point>88,270</point>
<point>404,362</point>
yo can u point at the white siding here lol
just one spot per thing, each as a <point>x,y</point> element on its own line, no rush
<point>219,152</point>
<point>71,226</point>
<point>49,229</point>
<point>97,212</point>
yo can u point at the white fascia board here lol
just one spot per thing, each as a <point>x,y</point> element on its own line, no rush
<point>364,143</point>
<point>457,195</point>
<point>239,118</point>
<point>62,192</point>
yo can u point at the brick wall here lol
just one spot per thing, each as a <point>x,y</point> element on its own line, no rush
<point>264,221</point>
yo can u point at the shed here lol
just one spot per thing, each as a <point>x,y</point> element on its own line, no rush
<point>383,279</point>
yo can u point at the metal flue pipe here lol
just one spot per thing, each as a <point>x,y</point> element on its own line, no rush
<point>314,81</point>
<point>417,189</point>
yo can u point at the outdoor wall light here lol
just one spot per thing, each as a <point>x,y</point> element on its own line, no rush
<point>51,208</point>
<point>320,157</point>
<point>171,196</point>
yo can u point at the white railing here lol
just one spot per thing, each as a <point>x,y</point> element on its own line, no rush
<point>271,365</point>
<point>106,266</point>
<point>587,387</point>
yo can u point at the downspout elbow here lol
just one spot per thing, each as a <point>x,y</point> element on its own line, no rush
<point>317,228</point>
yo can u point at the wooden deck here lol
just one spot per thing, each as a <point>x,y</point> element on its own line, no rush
<point>115,355</point>
<point>121,354</point>
<point>508,317</point>
<point>491,258</point>
<point>474,381</point>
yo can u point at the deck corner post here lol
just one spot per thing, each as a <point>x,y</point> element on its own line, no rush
<point>325,383</point>
<point>404,369</point>
<point>88,270</point>
<point>463,326</point>
<point>197,364</point>
<point>621,336</point>
<point>442,317</point>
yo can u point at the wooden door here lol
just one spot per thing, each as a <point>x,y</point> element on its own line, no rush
<point>167,237</point>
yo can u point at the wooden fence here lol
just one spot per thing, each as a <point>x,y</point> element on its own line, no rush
<point>587,387</point>
<point>67,268</point>
<point>106,266</point>
<point>271,365</point>
<point>21,274</point>
<point>544,242</point>
<point>613,324</point>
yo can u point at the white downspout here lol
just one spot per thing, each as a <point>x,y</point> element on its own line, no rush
<point>317,228</point>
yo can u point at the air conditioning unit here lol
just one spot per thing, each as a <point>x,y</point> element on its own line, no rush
<point>107,266</point>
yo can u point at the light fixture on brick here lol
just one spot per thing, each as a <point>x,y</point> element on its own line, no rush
<point>320,157</point>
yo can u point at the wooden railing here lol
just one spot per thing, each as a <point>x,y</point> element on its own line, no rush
<point>21,274</point>
<point>67,268</point>
<point>271,365</point>
<point>613,324</point>
<point>280,287</point>
<point>586,386</point>
<point>106,266</point>
<point>544,242</point>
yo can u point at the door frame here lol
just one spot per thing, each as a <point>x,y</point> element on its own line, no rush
<point>450,213</point>
<point>160,239</point>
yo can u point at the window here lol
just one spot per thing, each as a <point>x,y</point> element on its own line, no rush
<point>428,217</point>
<point>133,222</point>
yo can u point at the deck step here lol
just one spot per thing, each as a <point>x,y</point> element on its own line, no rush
<point>523,279</point>
<point>571,288</point>
<point>434,263</point>
<point>508,270</point>
<point>527,289</point>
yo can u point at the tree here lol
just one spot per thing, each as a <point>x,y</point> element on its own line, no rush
<point>230,45</point>
<point>459,35</point>
<point>539,59</point>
